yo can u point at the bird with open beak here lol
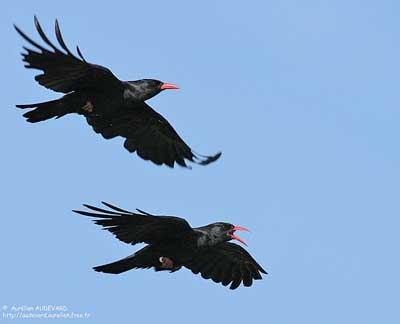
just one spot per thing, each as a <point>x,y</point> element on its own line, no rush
<point>172,244</point>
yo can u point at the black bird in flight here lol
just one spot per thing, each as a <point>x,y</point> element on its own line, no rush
<point>173,243</point>
<point>111,106</point>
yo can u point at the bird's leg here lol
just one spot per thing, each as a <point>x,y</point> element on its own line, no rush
<point>88,107</point>
<point>168,264</point>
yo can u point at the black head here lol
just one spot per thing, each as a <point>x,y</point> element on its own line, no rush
<point>223,232</point>
<point>148,88</point>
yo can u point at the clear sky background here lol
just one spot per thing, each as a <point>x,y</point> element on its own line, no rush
<point>303,99</point>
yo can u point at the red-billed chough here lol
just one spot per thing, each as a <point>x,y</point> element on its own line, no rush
<point>173,243</point>
<point>111,106</point>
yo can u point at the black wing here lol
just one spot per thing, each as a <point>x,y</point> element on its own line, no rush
<point>139,227</point>
<point>62,70</point>
<point>226,263</point>
<point>149,134</point>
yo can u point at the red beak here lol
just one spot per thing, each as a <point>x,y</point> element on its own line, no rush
<point>239,228</point>
<point>169,86</point>
<point>237,238</point>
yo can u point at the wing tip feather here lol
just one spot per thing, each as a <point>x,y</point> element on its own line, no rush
<point>205,160</point>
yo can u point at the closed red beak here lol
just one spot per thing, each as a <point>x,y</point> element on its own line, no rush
<point>237,238</point>
<point>169,86</point>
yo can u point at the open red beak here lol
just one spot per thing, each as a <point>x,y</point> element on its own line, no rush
<point>237,238</point>
<point>240,228</point>
<point>169,86</point>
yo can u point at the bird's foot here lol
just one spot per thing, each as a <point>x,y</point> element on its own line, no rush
<point>88,107</point>
<point>166,263</point>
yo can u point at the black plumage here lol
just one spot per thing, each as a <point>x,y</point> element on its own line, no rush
<point>111,106</point>
<point>172,243</point>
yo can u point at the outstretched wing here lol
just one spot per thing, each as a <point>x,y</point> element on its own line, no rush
<point>139,227</point>
<point>226,263</point>
<point>62,70</point>
<point>149,134</point>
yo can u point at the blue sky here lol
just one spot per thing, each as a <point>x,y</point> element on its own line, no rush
<point>302,98</point>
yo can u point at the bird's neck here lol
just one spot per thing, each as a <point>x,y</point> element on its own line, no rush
<point>205,238</point>
<point>140,91</point>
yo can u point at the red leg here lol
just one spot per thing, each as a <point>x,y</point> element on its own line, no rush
<point>88,107</point>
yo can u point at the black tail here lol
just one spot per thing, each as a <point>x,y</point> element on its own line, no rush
<point>118,266</point>
<point>144,259</point>
<point>49,109</point>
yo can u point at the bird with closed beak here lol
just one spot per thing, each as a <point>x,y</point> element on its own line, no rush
<point>111,107</point>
